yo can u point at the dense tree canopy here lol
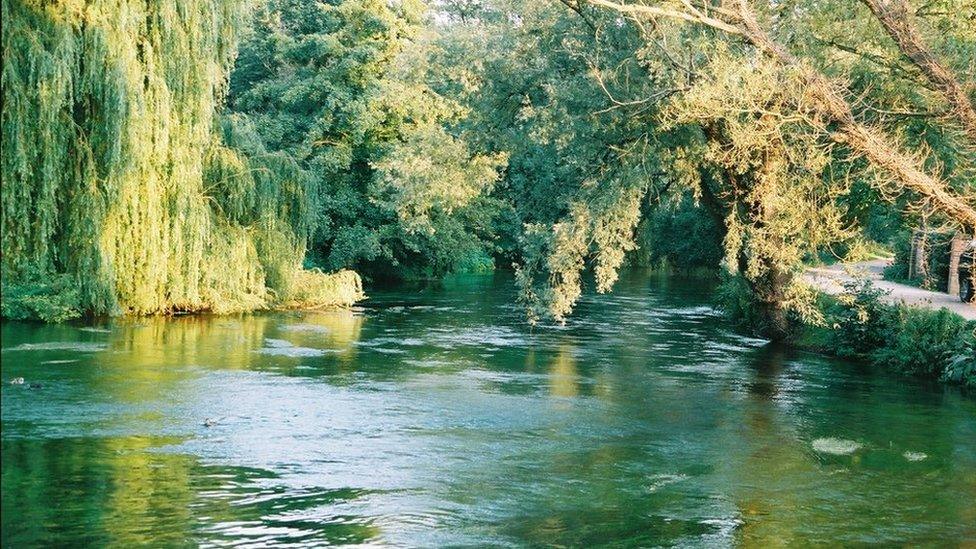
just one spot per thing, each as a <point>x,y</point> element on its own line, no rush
<point>786,123</point>
<point>412,140</point>
<point>345,89</point>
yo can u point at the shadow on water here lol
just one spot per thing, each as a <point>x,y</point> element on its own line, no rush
<point>766,365</point>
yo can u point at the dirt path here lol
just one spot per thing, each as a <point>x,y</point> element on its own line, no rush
<point>830,279</point>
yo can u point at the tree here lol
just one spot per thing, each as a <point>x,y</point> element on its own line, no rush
<point>836,117</point>
<point>898,22</point>
<point>769,146</point>
<point>342,88</point>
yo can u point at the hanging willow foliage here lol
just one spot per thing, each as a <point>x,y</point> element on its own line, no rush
<point>113,173</point>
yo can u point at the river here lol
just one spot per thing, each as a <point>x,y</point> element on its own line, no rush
<point>434,416</point>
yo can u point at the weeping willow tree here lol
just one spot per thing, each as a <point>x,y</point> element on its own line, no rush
<point>118,195</point>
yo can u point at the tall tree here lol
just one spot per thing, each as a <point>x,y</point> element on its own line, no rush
<point>342,87</point>
<point>738,18</point>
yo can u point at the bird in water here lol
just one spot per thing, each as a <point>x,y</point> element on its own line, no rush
<point>17,381</point>
<point>209,422</point>
<point>35,386</point>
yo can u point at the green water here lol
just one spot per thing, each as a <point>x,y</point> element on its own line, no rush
<point>434,417</point>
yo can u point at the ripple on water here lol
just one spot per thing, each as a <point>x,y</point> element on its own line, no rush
<point>60,346</point>
<point>305,328</point>
<point>494,336</point>
<point>629,426</point>
<point>656,482</point>
<point>95,330</point>
<point>281,347</point>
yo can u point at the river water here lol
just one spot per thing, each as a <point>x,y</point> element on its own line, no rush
<point>435,417</point>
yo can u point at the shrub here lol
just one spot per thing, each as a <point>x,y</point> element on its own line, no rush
<point>54,300</point>
<point>961,367</point>
<point>699,248</point>
<point>860,319</point>
<point>736,299</point>
<point>921,341</point>
<point>937,344</point>
<point>311,288</point>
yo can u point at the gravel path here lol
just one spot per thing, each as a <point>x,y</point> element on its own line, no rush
<point>830,279</point>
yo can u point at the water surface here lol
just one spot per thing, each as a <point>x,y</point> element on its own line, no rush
<point>436,417</point>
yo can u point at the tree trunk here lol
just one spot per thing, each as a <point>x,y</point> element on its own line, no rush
<point>920,260</point>
<point>770,292</point>
<point>955,254</point>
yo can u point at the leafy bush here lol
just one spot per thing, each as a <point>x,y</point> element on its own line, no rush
<point>937,344</point>
<point>735,298</point>
<point>860,319</point>
<point>700,245</point>
<point>55,300</point>
<point>898,270</point>
<point>921,341</point>
<point>311,288</point>
<point>961,367</point>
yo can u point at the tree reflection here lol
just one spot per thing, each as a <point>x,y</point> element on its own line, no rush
<point>563,378</point>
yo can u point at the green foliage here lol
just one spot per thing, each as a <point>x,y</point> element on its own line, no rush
<point>680,235</point>
<point>587,104</point>
<point>921,341</point>
<point>961,367</point>
<point>341,88</point>
<point>901,245</point>
<point>579,167</point>
<point>311,288</point>
<point>735,298</point>
<point>115,177</point>
<point>107,109</point>
<point>859,319</point>
<point>937,245</point>
<point>935,344</point>
<point>55,300</point>
<point>369,134</point>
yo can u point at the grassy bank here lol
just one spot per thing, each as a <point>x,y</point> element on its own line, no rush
<point>933,344</point>
<point>60,301</point>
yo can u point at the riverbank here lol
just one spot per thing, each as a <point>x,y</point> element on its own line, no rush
<point>898,328</point>
<point>830,279</point>
<point>297,288</point>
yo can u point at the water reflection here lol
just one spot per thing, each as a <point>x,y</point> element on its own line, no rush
<point>767,364</point>
<point>435,417</point>
<point>562,373</point>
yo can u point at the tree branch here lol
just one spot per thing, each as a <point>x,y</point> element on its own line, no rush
<point>897,22</point>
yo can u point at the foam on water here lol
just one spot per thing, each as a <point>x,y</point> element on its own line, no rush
<point>305,328</point>
<point>660,481</point>
<point>836,446</point>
